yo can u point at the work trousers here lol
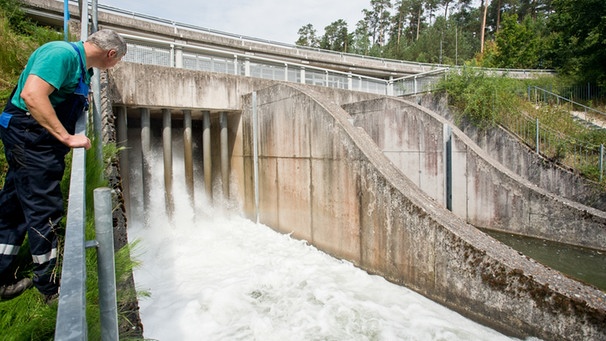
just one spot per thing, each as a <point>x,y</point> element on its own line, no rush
<point>31,201</point>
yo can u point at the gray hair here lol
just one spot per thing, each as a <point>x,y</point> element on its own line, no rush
<point>108,40</point>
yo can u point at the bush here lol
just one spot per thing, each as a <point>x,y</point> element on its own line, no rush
<point>482,99</point>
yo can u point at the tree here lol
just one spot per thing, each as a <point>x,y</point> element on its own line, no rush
<point>485,4</point>
<point>336,37</point>
<point>578,42</point>
<point>307,36</point>
<point>361,39</point>
<point>518,44</point>
<point>378,20</point>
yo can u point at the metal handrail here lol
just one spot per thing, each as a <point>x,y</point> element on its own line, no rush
<point>563,99</point>
<point>71,313</point>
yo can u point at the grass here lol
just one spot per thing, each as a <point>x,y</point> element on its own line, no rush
<point>27,317</point>
<point>486,101</point>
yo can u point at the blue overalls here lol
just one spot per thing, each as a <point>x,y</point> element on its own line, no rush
<point>31,200</point>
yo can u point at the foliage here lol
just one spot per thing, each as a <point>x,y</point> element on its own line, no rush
<point>578,42</point>
<point>336,37</point>
<point>566,35</point>
<point>481,99</point>
<point>27,317</point>
<point>519,44</point>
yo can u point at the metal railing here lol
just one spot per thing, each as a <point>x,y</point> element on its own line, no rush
<point>583,156</point>
<point>174,54</point>
<point>540,95</point>
<point>71,312</point>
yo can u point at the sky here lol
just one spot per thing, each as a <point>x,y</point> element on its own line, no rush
<point>275,20</point>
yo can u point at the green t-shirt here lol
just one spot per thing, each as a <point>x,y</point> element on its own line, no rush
<point>56,63</point>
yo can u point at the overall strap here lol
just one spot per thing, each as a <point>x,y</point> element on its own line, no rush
<point>79,59</point>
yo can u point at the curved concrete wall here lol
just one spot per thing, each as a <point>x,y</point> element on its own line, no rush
<point>522,160</point>
<point>326,181</point>
<point>485,193</point>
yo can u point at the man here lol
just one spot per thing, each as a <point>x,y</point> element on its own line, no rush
<point>37,129</point>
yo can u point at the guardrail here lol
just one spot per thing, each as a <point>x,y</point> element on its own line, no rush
<point>174,54</point>
<point>536,94</point>
<point>426,67</point>
<point>568,151</point>
<point>71,313</point>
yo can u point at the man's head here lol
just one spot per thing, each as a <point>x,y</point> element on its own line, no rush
<point>111,44</point>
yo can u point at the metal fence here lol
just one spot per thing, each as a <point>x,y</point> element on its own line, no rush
<point>584,156</point>
<point>172,54</point>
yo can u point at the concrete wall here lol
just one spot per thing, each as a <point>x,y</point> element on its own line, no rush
<point>523,160</point>
<point>326,181</point>
<point>485,193</point>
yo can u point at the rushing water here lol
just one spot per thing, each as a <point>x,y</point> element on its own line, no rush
<point>213,275</point>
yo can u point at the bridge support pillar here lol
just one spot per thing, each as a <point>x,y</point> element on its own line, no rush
<point>206,154</point>
<point>224,155</point>
<point>168,160</point>
<point>146,157</point>
<point>188,155</point>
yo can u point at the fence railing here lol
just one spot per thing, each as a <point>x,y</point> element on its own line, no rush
<point>71,321</point>
<point>540,95</point>
<point>585,157</point>
<point>173,54</point>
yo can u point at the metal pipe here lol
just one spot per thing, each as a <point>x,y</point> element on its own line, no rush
<point>83,20</point>
<point>71,317</point>
<point>146,157</point>
<point>206,155</point>
<point>95,15</point>
<point>105,264</point>
<point>168,160</point>
<point>97,125</point>
<point>224,155</point>
<point>122,136</point>
<point>537,136</point>
<point>188,154</point>
<point>448,165</point>
<point>65,20</point>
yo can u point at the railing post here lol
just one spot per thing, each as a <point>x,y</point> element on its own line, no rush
<point>537,136</point>
<point>447,131</point>
<point>601,167</point>
<point>105,264</point>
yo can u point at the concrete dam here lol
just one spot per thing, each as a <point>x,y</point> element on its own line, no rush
<point>354,169</point>
<point>362,177</point>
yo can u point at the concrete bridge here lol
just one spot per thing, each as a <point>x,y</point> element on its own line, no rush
<point>366,176</point>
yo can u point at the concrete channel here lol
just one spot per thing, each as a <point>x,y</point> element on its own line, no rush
<point>325,179</point>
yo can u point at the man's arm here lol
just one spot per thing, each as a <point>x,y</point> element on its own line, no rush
<point>35,95</point>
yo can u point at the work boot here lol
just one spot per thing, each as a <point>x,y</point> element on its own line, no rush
<point>9,291</point>
<point>51,299</point>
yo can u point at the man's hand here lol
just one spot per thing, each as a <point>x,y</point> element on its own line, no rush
<point>78,141</point>
<point>35,94</point>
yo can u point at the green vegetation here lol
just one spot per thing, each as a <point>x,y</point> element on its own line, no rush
<point>27,317</point>
<point>566,35</point>
<point>486,101</point>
